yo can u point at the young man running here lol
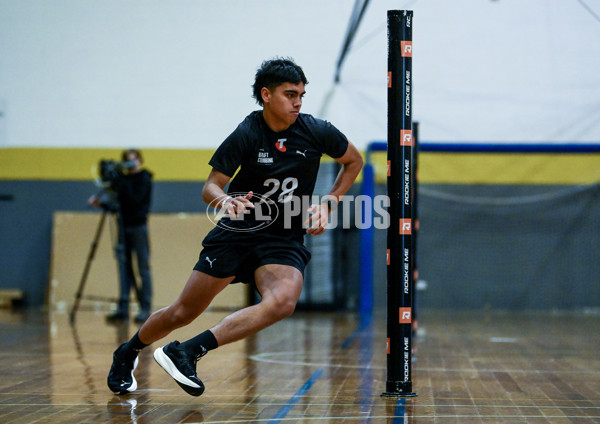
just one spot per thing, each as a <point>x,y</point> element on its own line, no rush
<point>277,151</point>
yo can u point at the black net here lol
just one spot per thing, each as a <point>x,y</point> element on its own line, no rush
<point>513,247</point>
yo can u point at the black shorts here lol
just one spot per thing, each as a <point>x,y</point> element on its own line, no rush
<point>227,253</point>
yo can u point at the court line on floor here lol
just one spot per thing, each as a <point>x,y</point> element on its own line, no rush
<point>268,358</point>
<point>437,418</point>
<point>265,404</point>
<point>365,320</point>
<point>399,412</point>
<point>284,410</point>
<point>289,405</point>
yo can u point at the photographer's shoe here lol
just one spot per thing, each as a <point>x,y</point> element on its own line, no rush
<point>117,317</point>
<point>142,317</point>
<point>181,366</point>
<point>120,377</point>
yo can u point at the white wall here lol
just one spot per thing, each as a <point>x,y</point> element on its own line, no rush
<point>155,73</point>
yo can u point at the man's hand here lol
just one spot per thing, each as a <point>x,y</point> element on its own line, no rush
<point>318,219</point>
<point>94,201</point>
<point>236,206</point>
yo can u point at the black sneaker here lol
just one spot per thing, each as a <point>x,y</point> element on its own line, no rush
<point>181,366</point>
<point>117,317</point>
<point>142,317</point>
<point>120,377</point>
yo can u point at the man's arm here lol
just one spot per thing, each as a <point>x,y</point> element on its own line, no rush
<point>214,195</point>
<point>352,163</point>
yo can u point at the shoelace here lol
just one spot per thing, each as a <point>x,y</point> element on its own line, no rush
<point>196,359</point>
<point>200,355</point>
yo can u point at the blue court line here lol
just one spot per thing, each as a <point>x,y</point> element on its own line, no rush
<point>289,405</point>
<point>283,411</point>
<point>399,412</point>
<point>365,320</point>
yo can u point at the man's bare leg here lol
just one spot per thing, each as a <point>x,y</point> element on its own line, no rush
<point>198,293</point>
<point>280,287</point>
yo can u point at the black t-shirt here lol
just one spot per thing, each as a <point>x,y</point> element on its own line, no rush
<point>278,167</point>
<point>134,195</point>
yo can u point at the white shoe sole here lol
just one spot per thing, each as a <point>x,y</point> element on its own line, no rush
<point>165,362</point>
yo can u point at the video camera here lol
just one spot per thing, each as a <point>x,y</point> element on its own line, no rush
<point>111,171</point>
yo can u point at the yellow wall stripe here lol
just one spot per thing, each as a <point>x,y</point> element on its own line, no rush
<point>79,164</point>
<point>502,168</point>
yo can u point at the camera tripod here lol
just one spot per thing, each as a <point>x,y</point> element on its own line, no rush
<point>92,254</point>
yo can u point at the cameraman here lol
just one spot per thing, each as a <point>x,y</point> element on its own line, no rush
<point>133,192</point>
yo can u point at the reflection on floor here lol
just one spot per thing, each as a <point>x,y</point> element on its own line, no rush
<point>478,367</point>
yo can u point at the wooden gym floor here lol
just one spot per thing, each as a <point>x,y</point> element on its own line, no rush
<point>484,367</point>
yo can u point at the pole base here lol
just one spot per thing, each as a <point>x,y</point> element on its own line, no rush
<point>398,389</point>
<point>399,394</point>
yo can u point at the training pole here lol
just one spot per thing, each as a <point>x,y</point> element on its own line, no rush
<point>400,182</point>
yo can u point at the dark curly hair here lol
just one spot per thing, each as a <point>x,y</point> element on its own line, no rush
<point>136,152</point>
<point>275,72</point>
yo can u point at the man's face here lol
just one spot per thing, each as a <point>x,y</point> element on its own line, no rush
<point>131,156</point>
<point>284,103</point>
